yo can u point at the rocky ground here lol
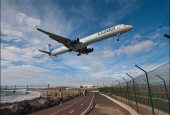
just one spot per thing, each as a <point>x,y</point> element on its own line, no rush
<point>29,106</point>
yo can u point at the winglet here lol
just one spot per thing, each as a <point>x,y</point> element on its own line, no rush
<point>37,27</point>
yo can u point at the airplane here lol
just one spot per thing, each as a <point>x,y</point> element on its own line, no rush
<point>80,45</point>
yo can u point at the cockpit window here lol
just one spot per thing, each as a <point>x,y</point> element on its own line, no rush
<point>121,25</point>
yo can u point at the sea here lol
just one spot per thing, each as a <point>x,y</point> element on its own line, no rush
<point>17,95</point>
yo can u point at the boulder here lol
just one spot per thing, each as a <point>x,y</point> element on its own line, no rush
<point>25,106</point>
<point>44,102</point>
<point>6,111</point>
<point>11,109</point>
<point>28,106</point>
<point>54,101</point>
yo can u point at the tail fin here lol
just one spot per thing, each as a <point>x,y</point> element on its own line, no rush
<point>50,47</point>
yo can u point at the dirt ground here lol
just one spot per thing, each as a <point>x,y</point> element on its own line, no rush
<point>66,92</point>
<point>51,92</point>
<point>104,106</point>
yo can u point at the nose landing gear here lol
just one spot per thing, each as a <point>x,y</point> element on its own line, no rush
<point>118,36</point>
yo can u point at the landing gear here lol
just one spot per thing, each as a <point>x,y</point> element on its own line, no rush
<point>78,54</point>
<point>118,36</point>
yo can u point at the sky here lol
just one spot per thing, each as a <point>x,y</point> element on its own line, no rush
<point>22,63</point>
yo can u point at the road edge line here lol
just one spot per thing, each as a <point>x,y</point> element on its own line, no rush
<point>88,108</point>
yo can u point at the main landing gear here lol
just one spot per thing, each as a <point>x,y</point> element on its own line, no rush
<point>79,54</point>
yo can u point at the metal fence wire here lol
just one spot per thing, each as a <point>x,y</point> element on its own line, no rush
<point>136,91</point>
<point>27,87</point>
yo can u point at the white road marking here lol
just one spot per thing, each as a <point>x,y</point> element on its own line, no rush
<point>88,106</point>
<point>65,107</point>
<point>71,111</point>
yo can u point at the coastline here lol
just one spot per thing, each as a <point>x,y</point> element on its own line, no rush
<point>39,103</point>
<point>19,95</point>
<point>29,106</point>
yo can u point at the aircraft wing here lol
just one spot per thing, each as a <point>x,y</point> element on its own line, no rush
<point>55,37</point>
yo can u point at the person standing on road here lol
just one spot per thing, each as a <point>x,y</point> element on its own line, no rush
<point>61,96</point>
<point>55,95</point>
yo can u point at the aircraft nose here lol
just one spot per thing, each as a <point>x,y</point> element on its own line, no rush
<point>130,27</point>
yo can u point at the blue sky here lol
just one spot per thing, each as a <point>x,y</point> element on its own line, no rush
<point>22,63</point>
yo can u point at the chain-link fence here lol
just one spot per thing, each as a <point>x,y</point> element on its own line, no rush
<point>26,88</point>
<point>151,89</point>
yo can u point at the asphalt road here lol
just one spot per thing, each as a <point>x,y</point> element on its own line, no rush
<point>75,106</point>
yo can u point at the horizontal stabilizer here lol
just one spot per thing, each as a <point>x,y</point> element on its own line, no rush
<point>49,53</point>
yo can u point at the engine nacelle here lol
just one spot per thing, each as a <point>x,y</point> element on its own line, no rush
<point>75,41</point>
<point>89,50</point>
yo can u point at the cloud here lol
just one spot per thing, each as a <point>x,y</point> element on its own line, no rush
<point>14,33</point>
<point>9,34</point>
<point>19,55</point>
<point>157,33</point>
<point>118,2</point>
<point>26,20</point>
<point>96,67</point>
<point>114,16</point>
<point>23,71</point>
<point>35,41</point>
<point>19,25</point>
<point>5,63</point>
<point>131,49</point>
<point>83,11</point>
<point>137,36</point>
<point>16,54</point>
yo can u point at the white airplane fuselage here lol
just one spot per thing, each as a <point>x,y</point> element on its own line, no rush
<point>105,34</point>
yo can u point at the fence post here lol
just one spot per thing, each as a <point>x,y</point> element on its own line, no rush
<point>148,91</point>
<point>27,90</point>
<point>120,90</point>
<point>138,92</point>
<point>14,88</point>
<point>165,88</point>
<point>114,89</point>
<point>104,88</point>
<point>48,88</point>
<point>127,93</point>
<point>134,91</point>
<point>6,87</point>
<point>150,95</point>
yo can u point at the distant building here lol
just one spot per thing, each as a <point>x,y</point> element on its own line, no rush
<point>88,86</point>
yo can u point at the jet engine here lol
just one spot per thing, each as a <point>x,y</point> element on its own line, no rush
<point>89,50</point>
<point>75,41</point>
